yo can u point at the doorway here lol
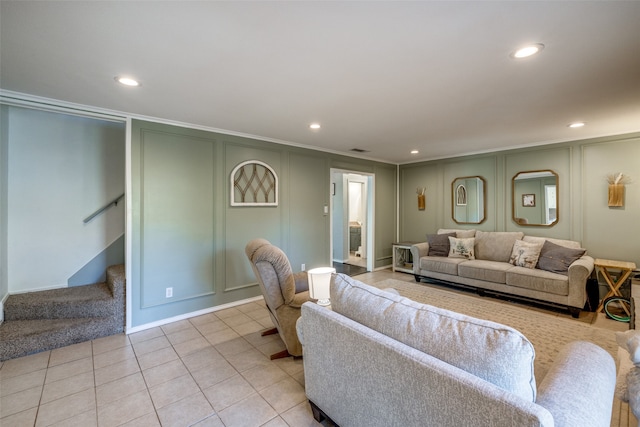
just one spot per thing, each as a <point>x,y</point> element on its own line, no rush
<point>352,221</point>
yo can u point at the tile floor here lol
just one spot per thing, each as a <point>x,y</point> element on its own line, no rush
<point>211,370</point>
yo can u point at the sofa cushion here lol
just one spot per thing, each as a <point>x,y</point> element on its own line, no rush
<point>461,248</point>
<point>439,244</point>
<point>525,254</point>
<point>460,234</point>
<point>556,258</point>
<point>441,264</point>
<point>496,245</point>
<point>489,271</point>
<point>494,352</point>
<point>538,280</point>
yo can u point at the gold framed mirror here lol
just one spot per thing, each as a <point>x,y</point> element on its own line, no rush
<point>534,198</point>
<point>468,200</point>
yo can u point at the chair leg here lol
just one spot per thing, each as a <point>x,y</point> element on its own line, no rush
<point>280,355</point>
<point>271,331</point>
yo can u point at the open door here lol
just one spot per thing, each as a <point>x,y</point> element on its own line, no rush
<point>352,218</point>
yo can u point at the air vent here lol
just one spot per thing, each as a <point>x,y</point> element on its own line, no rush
<point>359,150</point>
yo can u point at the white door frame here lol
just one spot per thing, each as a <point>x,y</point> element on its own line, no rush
<point>370,216</point>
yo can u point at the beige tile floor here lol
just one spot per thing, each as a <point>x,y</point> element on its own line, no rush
<point>211,370</point>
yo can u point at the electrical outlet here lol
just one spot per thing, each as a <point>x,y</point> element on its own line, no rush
<point>303,268</point>
<point>169,292</point>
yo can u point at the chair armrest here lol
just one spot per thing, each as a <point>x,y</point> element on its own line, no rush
<point>579,387</point>
<point>418,251</point>
<point>302,281</point>
<point>299,299</point>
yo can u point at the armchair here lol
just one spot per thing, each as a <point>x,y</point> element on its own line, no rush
<point>284,292</point>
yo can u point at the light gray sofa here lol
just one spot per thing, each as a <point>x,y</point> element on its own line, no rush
<point>492,271</point>
<point>377,359</point>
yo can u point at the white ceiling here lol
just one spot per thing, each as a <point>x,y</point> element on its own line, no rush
<point>386,77</point>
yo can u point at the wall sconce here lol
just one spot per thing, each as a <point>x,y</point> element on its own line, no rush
<point>319,284</point>
<point>421,197</point>
<point>616,189</point>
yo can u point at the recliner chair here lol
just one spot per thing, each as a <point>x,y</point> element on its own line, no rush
<point>284,292</point>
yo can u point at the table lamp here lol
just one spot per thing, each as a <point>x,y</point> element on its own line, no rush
<point>319,283</point>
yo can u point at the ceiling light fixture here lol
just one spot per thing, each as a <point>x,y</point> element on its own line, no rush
<point>414,151</point>
<point>527,51</point>
<point>576,125</point>
<point>314,126</point>
<point>127,81</point>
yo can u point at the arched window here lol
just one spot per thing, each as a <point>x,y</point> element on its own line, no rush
<point>254,183</point>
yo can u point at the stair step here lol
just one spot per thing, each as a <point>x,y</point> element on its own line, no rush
<point>45,320</point>
<point>23,337</point>
<point>64,303</point>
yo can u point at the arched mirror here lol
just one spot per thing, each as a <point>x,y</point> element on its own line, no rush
<point>468,204</point>
<point>535,198</point>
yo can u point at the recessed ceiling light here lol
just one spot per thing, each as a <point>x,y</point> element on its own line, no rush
<point>314,126</point>
<point>127,81</point>
<point>414,151</point>
<point>576,125</point>
<point>527,51</point>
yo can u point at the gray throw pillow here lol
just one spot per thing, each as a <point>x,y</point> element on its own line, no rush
<point>439,244</point>
<point>557,259</point>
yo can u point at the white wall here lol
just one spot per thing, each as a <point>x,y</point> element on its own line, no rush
<point>61,168</point>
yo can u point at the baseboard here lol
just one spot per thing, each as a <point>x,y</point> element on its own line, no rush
<point>190,315</point>
<point>44,288</point>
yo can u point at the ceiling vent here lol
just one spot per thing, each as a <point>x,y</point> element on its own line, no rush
<point>359,150</point>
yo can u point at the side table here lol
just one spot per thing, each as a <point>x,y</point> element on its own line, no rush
<point>402,259</point>
<point>604,266</point>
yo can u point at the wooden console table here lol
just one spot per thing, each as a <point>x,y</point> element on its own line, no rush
<point>605,265</point>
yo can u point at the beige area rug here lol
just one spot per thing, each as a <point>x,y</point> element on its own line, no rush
<point>548,332</point>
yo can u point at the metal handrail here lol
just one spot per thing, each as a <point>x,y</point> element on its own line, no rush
<point>114,202</point>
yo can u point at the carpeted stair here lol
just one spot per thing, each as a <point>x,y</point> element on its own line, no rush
<point>39,321</point>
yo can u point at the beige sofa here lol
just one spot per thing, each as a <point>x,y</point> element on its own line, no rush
<point>557,276</point>
<point>376,359</point>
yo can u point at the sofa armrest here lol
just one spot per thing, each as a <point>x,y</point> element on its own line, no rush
<point>300,329</point>
<point>418,251</point>
<point>581,269</point>
<point>579,272</point>
<point>579,387</point>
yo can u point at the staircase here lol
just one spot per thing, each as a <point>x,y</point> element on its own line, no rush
<point>40,321</point>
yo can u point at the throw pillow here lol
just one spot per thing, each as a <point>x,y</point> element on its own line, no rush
<point>557,259</point>
<point>439,244</point>
<point>525,254</point>
<point>462,248</point>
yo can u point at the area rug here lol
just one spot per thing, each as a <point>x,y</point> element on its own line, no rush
<point>548,332</point>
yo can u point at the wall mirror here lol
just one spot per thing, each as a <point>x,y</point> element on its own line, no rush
<point>468,200</point>
<point>534,198</point>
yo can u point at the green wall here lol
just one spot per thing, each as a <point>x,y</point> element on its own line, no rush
<point>582,167</point>
<point>4,167</point>
<point>186,235</point>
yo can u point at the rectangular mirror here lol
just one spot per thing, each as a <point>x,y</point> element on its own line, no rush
<point>468,204</point>
<point>534,198</point>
